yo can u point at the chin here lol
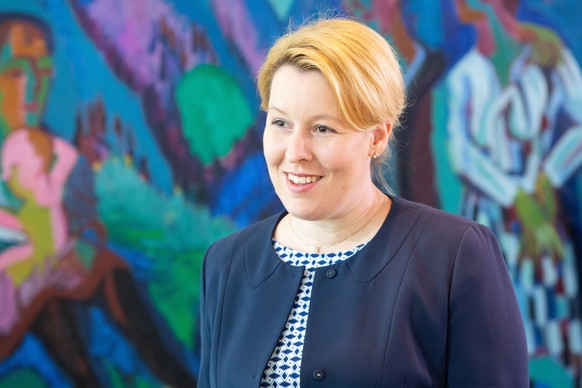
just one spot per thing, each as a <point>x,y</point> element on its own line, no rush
<point>306,214</point>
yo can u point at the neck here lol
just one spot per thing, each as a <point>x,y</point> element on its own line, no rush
<point>331,235</point>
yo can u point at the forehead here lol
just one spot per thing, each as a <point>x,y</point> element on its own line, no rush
<point>22,39</point>
<point>290,80</point>
<point>304,95</point>
<point>291,83</point>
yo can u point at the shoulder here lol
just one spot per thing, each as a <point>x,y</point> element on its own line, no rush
<point>444,229</point>
<point>257,234</point>
<point>261,228</point>
<point>433,214</point>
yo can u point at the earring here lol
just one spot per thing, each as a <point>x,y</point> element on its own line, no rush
<point>377,154</point>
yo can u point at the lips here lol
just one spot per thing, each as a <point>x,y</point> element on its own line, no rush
<point>303,180</point>
<point>31,107</point>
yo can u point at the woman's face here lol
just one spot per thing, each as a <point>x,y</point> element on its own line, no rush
<point>25,72</point>
<point>319,165</point>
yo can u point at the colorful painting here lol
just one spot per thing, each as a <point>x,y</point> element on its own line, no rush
<point>130,140</point>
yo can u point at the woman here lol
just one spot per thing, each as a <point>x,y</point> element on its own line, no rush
<point>350,287</point>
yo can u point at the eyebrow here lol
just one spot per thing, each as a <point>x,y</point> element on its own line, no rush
<point>270,108</point>
<point>316,117</point>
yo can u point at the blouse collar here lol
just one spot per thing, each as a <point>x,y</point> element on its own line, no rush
<point>261,260</point>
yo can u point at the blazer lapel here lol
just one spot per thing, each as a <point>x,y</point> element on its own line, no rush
<point>385,245</point>
<point>257,304</point>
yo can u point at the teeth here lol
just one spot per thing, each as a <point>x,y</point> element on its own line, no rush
<point>303,179</point>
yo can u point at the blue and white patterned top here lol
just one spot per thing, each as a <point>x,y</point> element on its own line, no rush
<point>284,366</point>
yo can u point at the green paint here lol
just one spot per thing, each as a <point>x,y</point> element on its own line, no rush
<point>117,379</point>
<point>86,253</point>
<point>36,223</point>
<point>38,87</point>
<point>172,233</point>
<point>448,184</point>
<point>547,371</point>
<point>176,293</point>
<point>281,8</point>
<point>4,126</point>
<point>22,377</point>
<point>38,73</point>
<point>215,114</point>
<point>506,49</point>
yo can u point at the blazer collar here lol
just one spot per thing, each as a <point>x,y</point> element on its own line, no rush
<point>389,240</point>
<point>260,257</point>
<point>261,261</point>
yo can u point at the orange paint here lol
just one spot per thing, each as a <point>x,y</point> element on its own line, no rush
<point>25,72</point>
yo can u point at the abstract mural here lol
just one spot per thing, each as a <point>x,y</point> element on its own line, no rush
<point>130,140</point>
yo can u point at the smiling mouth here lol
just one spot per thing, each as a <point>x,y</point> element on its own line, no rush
<point>303,180</point>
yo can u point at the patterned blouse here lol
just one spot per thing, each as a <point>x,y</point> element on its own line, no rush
<point>284,366</point>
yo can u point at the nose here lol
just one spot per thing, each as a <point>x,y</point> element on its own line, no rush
<point>299,146</point>
<point>37,82</point>
<point>34,83</point>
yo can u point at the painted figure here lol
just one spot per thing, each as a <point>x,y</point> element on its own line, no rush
<point>52,274</point>
<point>515,139</point>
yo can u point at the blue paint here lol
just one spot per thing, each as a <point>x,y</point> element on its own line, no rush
<point>246,191</point>
<point>425,22</point>
<point>32,354</point>
<point>82,76</point>
<point>106,343</point>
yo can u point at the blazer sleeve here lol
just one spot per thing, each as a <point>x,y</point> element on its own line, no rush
<point>486,339</point>
<point>203,375</point>
<point>215,271</point>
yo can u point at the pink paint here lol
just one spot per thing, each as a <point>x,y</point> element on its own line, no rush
<point>41,187</point>
<point>506,17</point>
<point>236,24</point>
<point>132,26</point>
<point>385,12</point>
<point>9,220</point>
<point>8,308</point>
<point>15,254</point>
<point>61,278</point>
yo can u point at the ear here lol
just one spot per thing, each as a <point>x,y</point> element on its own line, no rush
<point>380,137</point>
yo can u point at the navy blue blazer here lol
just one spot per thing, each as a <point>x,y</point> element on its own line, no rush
<point>426,303</point>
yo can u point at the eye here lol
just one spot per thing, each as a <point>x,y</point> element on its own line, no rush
<point>323,129</point>
<point>48,72</point>
<point>14,73</point>
<point>278,123</point>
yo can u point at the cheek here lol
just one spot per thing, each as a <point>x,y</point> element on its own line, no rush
<point>345,160</point>
<point>45,85</point>
<point>12,92</point>
<point>273,150</point>
<point>348,169</point>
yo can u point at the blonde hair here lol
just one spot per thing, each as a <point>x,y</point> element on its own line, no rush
<point>359,64</point>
